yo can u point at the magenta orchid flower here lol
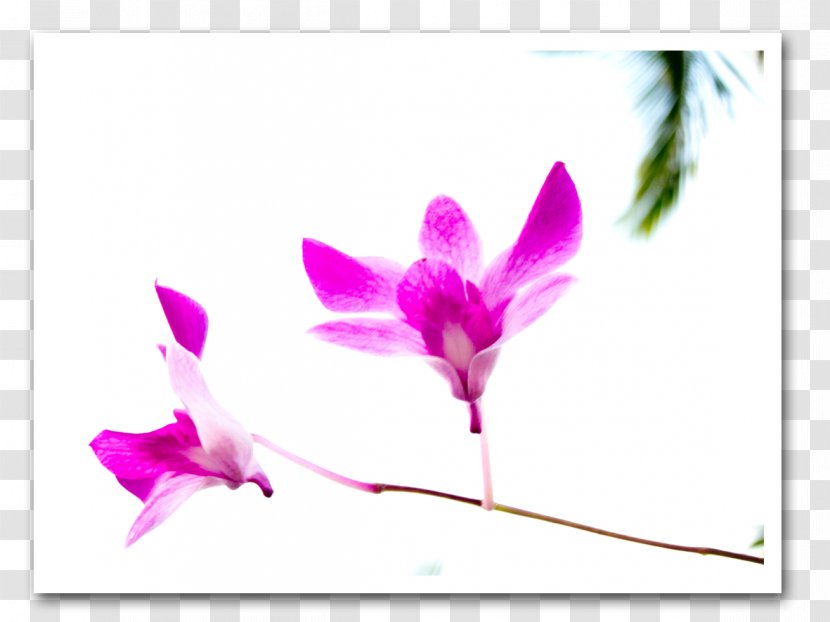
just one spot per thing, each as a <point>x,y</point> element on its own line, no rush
<point>205,447</point>
<point>444,307</point>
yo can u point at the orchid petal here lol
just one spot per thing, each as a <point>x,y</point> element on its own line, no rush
<point>141,488</point>
<point>376,336</point>
<point>167,496</point>
<point>450,374</point>
<point>151,454</point>
<point>480,369</point>
<point>223,437</point>
<point>448,235</point>
<point>344,283</point>
<point>186,317</point>
<point>549,238</point>
<point>531,304</point>
<point>431,293</point>
<point>388,270</point>
<point>520,313</point>
<point>478,322</point>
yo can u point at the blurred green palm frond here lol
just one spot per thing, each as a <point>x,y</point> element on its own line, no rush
<point>429,569</point>
<point>759,541</point>
<point>677,91</point>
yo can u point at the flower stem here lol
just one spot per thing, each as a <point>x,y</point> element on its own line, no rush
<point>379,488</point>
<point>487,499</point>
<point>335,477</point>
<point>701,550</point>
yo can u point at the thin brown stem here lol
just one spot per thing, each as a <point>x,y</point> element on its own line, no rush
<point>701,550</point>
<point>499,507</point>
<point>379,488</point>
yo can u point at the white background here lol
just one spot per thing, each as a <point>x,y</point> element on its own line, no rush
<point>646,401</point>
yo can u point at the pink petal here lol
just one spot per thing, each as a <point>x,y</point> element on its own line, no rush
<point>137,456</point>
<point>141,488</point>
<point>450,374</point>
<point>147,456</point>
<point>224,439</point>
<point>343,283</point>
<point>549,238</point>
<point>531,304</point>
<point>520,313</point>
<point>186,317</point>
<point>166,497</point>
<point>388,270</point>
<point>376,336</point>
<point>448,235</point>
<point>480,369</point>
<point>478,320</point>
<point>431,293</point>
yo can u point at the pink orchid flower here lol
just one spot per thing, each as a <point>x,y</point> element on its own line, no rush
<point>205,447</point>
<point>444,307</point>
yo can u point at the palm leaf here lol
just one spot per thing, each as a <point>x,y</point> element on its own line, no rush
<point>759,542</point>
<point>675,96</point>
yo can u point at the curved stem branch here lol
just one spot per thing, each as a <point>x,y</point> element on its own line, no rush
<point>426,491</point>
<point>335,477</point>
<point>379,488</point>
<point>701,550</point>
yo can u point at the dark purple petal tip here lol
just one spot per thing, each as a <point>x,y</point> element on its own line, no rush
<point>262,481</point>
<point>475,418</point>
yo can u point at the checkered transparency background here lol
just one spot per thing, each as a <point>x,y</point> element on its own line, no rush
<point>806,296</point>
